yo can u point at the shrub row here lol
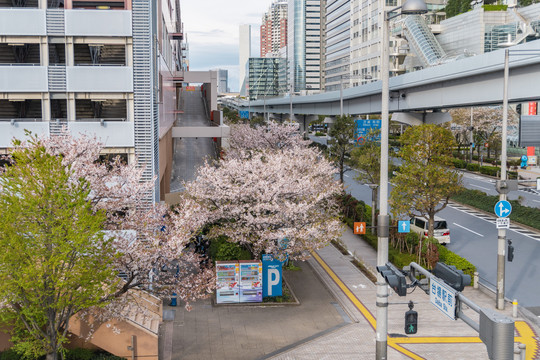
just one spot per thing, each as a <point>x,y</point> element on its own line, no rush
<point>70,354</point>
<point>522,214</point>
<point>355,210</point>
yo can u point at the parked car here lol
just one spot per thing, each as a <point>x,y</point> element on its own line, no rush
<point>419,225</point>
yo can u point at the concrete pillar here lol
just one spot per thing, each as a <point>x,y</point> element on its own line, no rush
<point>129,52</point>
<point>71,110</point>
<point>45,107</point>
<point>130,107</point>
<point>43,51</point>
<point>70,51</point>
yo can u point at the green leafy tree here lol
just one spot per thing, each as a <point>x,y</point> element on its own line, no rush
<point>342,142</point>
<point>55,258</point>
<point>426,179</point>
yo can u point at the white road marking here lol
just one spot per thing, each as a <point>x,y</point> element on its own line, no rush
<point>463,227</point>
<point>481,187</point>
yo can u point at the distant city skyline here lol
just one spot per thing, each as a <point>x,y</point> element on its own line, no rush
<point>211,27</point>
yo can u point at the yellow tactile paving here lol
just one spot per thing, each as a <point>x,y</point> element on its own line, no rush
<point>525,334</point>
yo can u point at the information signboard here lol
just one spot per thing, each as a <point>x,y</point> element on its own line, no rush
<point>362,129</point>
<point>443,297</point>
<point>503,223</point>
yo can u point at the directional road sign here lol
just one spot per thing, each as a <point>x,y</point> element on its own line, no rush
<point>404,226</point>
<point>360,228</point>
<point>503,208</point>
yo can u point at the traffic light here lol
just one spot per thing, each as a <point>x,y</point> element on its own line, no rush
<point>394,277</point>
<point>510,251</point>
<point>452,276</point>
<point>411,320</point>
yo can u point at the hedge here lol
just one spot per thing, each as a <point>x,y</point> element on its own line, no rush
<point>359,211</point>
<point>489,170</point>
<point>459,164</point>
<point>522,214</point>
<point>222,250</point>
<point>473,167</point>
<point>451,258</point>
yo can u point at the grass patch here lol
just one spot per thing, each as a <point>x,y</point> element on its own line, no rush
<point>339,245</point>
<point>360,265</point>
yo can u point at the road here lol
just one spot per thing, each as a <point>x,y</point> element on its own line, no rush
<point>474,237</point>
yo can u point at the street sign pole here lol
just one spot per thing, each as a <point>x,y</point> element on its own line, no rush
<point>501,238</point>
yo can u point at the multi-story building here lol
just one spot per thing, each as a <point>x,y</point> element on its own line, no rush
<point>337,44</point>
<point>274,29</point>
<point>222,81</point>
<point>304,50</point>
<point>265,77</point>
<point>243,56</point>
<point>95,68</point>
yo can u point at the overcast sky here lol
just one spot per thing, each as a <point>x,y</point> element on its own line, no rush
<point>212,29</point>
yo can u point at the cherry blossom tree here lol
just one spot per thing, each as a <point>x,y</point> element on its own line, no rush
<point>260,197</point>
<point>128,241</point>
<point>246,139</point>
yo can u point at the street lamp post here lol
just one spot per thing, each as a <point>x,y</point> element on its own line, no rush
<point>383,226</point>
<point>341,95</point>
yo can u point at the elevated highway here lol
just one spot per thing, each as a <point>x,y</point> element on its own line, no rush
<point>472,81</point>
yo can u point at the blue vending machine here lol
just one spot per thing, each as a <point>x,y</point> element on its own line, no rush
<point>250,281</point>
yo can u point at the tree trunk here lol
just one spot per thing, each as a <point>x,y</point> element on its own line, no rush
<point>52,356</point>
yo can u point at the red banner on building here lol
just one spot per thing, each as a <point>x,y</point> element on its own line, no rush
<point>533,108</point>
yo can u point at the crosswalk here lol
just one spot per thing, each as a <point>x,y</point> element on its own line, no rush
<point>492,219</point>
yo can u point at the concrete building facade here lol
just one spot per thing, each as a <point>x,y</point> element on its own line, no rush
<point>95,70</point>
<point>244,53</point>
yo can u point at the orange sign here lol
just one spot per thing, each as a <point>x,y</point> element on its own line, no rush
<point>533,108</point>
<point>190,88</point>
<point>359,228</point>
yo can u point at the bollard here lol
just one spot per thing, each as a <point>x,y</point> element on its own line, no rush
<point>515,308</point>
<point>523,353</point>
<point>476,278</point>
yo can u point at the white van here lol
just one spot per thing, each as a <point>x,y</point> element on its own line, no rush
<point>419,225</point>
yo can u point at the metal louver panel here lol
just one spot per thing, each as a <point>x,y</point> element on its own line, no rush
<point>57,78</point>
<point>55,22</point>
<point>146,117</point>
<point>56,126</point>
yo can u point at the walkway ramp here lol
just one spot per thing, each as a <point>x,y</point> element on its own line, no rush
<point>422,41</point>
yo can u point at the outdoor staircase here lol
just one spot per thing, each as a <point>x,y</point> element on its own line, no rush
<point>136,336</point>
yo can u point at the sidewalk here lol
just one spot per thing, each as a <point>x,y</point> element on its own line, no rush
<point>335,320</point>
<point>438,336</point>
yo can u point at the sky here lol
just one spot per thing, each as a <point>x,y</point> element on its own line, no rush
<point>212,30</point>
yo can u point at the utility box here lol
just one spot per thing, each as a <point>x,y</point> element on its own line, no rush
<point>497,333</point>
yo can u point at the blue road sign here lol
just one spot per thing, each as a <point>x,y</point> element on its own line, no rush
<point>503,208</point>
<point>244,114</point>
<point>404,226</point>
<point>362,129</point>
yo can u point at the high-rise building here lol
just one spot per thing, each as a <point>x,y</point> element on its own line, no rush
<point>265,77</point>
<point>305,31</point>
<point>222,80</point>
<point>243,56</point>
<point>96,70</point>
<point>274,29</point>
<point>337,44</point>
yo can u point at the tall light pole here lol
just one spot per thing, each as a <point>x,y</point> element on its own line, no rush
<point>341,95</point>
<point>383,226</point>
